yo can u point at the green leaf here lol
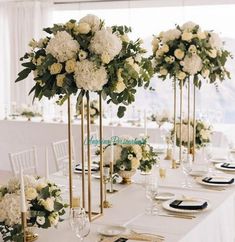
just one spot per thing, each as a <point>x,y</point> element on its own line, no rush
<point>23,74</point>
<point>29,65</point>
<point>79,99</point>
<point>121,111</point>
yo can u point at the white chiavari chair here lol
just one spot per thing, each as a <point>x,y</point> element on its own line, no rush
<point>61,154</point>
<point>27,159</point>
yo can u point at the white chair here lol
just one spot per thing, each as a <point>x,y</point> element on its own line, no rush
<point>61,154</point>
<point>27,159</point>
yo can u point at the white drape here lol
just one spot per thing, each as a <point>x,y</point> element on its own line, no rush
<point>20,22</point>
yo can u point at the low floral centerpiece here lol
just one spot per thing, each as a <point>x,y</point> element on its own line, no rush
<point>94,110</point>
<point>85,55</point>
<point>44,203</point>
<point>188,51</point>
<point>127,158</point>
<point>29,112</point>
<point>203,132</point>
<point>161,118</point>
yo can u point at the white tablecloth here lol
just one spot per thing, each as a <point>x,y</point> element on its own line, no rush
<point>216,224</point>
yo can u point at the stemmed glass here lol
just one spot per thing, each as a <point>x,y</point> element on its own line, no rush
<point>186,164</point>
<point>151,191</point>
<point>79,222</point>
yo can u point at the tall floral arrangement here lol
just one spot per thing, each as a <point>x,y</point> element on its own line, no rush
<point>188,51</point>
<point>44,202</point>
<point>203,132</point>
<point>87,56</point>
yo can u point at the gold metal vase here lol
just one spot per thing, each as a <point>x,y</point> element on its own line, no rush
<point>30,235</point>
<point>126,176</point>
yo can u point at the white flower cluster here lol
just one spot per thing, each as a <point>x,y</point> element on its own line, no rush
<point>178,53</point>
<point>89,77</point>
<point>63,47</point>
<point>117,149</point>
<point>106,44</point>
<point>10,212</point>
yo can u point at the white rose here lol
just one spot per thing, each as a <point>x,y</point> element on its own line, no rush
<point>179,54</point>
<point>120,87</point>
<point>181,75</point>
<point>83,28</point>
<point>135,163</point>
<point>40,220</point>
<point>205,73</point>
<point>70,65</point>
<point>48,204</point>
<point>165,48</point>
<point>40,186</point>
<point>188,26</point>
<point>201,35</point>
<point>187,36</point>
<point>212,53</point>
<point>55,68</point>
<point>60,80</point>
<point>54,218</point>
<point>92,20</point>
<point>31,193</point>
<point>163,71</point>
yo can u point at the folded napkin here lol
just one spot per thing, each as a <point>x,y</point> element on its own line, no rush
<point>188,204</point>
<point>132,237</point>
<point>228,165</point>
<point>93,167</point>
<point>218,180</point>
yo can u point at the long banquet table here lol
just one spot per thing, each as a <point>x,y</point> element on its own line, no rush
<point>217,224</point>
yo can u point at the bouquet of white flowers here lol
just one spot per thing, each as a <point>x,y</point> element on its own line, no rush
<point>203,132</point>
<point>87,56</point>
<point>188,51</point>
<point>44,202</point>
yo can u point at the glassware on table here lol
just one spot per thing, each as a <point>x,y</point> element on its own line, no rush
<point>151,191</point>
<point>186,164</point>
<point>79,222</point>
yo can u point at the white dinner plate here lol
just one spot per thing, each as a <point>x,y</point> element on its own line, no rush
<point>111,230</point>
<point>198,173</point>
<point>219,160</point>
<point>200,181</point>
<point>218,166</point>
<point>164,196</point>
<point>166,205</point>
<point>96,176</point>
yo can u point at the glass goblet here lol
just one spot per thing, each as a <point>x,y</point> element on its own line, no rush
<point>186,164</point>
<point>79,223</point>
<point>151,191</point>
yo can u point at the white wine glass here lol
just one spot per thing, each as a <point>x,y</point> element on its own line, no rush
<point>151,191</point>
<point>79,223</point>
<point>186,164</point>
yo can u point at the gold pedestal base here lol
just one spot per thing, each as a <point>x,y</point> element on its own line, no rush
<point>113,191</point>
<point>107,204</point>
<point>126,180</point>
<point>30,236</point>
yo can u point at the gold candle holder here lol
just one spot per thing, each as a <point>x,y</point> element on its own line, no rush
<point>24,225</point>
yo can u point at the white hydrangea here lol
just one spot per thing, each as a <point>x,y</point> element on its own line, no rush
<point>192,64</point>
<point>92,20</point>
<point>215,41</point>
<point>10,212</point>
<point>188,26</point>
<point>105,42</point>
<point>138,151</point>
<point>171,34</point>
<point>117,149</point>
<point>14,183</point>
<point>184,134</point>
<point>89,77</point>
<point>63,47</point>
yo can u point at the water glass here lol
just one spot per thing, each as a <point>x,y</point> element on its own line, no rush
<point>79,222</point>
<point>151,191</point>
<point>186,164</point>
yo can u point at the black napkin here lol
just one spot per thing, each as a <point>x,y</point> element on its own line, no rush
<point>79,168</point>
<point>214,181</point>
<point>121,240</point>
<point>188,205</point>
<point>228,165</point>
